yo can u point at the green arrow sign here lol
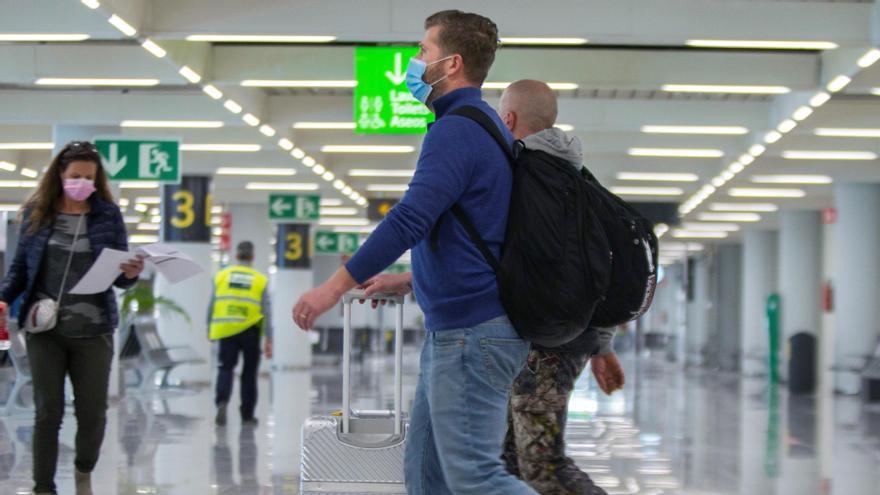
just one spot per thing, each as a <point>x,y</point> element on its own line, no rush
<point>382,104</point>
<point>336,243</point>
<point>294,207</point>
<point>131,159</point>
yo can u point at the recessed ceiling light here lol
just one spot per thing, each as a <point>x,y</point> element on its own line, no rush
<point>747,192</point>
<point>564,127</point>
<point>92,4</point>
<point>36,38</point>
<point>829,155</point>
<point>792,179</point>
<point>772,137</point>
<point>843,132</point>
<point>838,83</point>
<point>308,161</point>
<point>29,173</point>
<point>690,234</point>
<point>556,86</point>
<point>533,40</point>
<point>328,222</point>
<point>143,239</point>
<point>279,83</point>
<point>694,129</point>
<point>212,91</point>
<point>123,27</point>
<point>338,185</point>
<point>802,113</point>
<point>138,185</point>
<point>658,176</point>
<point>736,167</point>
<point>328,176</point>
<point>676,152</point>
<point>148,226</point>
<point>366,149</point>
<point>319,169</point>
<point>764,44</point>
<point>148,200</point>
<point>7,166</point>
<point>331,202</point>
<point>255,171</point>
<point>730,217</point>
<point>297,153</point>
<point>151,46</point>
<point>267,130</point>
<point>338,212</point>
<point>285,144</point>
<point>250,119</point>
<point>196,124</point>
<point>819,99</point>
<point>27,146</point>
<point>334,126</point>
<point>647,191</point>
<point>757,150</point>
<point>83,81</point>
<point>370,172</point>
<point>232,106</point>
<point>869,58</point>
<point>786,126</point>
<point>711,227</point>
<point>221,147</point>
<point>190,75</point>
<point>387,187</point>
<point>725,88</point>
<point>259,38</point>
<point>746,159</point>
<point>19,184</point>
<point>744,207</point>
<point>281,186</point>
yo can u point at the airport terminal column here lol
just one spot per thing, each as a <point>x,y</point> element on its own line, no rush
<point>800,276</point>
<point>698,310</point>
<point>61,135</point>
<point>295,276</point>
<point>856,262</point>
<point>186,226</point>
<point>760,269</point>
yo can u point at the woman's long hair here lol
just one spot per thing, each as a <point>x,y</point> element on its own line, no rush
<point>43,205</point>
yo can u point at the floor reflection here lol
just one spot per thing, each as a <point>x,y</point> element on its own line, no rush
<point>669,432</point>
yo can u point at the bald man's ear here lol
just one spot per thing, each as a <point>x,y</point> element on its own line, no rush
<point>509,120</point>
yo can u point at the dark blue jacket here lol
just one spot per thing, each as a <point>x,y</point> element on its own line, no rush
<point>459,163</point>
<point>106,229</point>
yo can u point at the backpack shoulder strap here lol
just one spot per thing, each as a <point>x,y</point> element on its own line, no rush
<point>489,125</point>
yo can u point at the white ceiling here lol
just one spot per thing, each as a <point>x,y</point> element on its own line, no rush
<point>636,46</point>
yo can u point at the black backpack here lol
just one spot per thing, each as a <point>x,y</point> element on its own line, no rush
<point>575,254</point>
<point>556,262</point>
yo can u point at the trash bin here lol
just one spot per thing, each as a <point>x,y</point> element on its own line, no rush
<point>802,364</point>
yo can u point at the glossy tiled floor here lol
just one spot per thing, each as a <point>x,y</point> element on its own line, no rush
<point>671,431</point>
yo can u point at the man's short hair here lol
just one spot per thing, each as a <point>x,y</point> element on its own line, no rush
<point>244,250</point>
<point>472,36</point>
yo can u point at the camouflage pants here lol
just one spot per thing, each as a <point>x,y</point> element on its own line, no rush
<point>535,446</point>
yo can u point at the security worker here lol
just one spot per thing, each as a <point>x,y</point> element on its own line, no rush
<point>240,313</point>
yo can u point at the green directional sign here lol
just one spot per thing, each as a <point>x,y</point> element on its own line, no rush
<point>133,159</point>
<point>336,243</point>
<point>382,104</point>
<point>294,207</point>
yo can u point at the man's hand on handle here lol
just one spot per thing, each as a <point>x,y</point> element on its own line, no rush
<point>321,299</point>
<point>397,284</point>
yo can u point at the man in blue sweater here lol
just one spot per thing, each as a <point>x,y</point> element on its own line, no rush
<point>472,353</point>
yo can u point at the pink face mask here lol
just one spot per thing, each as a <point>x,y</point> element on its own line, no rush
<point>78,189</point>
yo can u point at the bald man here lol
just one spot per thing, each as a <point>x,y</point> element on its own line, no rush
<point>535,446</point>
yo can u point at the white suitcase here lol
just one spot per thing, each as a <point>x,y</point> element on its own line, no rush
<point>358,451</point>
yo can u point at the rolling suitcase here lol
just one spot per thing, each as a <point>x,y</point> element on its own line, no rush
<point>357,451</point>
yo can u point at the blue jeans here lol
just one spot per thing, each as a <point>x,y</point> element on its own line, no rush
<point>459,417</point>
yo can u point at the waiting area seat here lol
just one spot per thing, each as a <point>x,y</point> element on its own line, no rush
<point>144,355</point>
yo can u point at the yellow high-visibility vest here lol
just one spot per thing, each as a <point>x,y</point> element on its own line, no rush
<point>238,297</point>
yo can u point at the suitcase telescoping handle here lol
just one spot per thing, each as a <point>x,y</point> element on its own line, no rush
<point>349,299</point>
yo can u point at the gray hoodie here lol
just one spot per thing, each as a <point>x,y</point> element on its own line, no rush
<point>559,144</point>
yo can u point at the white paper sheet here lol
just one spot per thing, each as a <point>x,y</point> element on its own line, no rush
<point>103,272</point>
<point>169,262</point>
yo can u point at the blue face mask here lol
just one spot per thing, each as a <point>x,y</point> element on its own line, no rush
<point>414,82</point>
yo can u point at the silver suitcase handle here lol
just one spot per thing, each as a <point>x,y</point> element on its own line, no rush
<point>349,299</point>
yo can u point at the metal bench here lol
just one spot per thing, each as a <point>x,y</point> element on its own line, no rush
<point>144,354</point>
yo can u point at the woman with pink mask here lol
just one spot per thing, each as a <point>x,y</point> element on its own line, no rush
<point>65,224</point>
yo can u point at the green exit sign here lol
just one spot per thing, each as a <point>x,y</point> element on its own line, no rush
<point>382,103</point>
<point>133,159</point>
<point>294,207</point>
<point>336,242</point>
